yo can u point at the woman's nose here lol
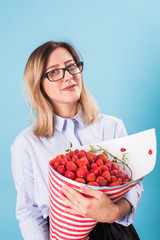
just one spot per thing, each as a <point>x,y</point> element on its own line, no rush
<point>67,75</point>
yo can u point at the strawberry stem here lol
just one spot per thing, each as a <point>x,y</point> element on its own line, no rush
<point>115,159</point>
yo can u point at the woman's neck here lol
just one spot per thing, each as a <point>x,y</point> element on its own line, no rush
<point>66,110</point>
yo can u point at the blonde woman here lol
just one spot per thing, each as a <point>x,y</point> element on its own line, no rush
<point>64,112</point>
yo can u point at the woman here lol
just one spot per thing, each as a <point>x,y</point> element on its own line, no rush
<point>64,112</point>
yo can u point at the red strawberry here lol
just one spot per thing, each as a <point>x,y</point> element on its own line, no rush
<point>119,180</point>
<point>80,180</point>
<point>121,175</point>
<point>101,181</point>
<point>91,157</point>
<point>106,175</point>
<point>93,184</point>
<point>81,154</point>
<point>109,164</point>
<point>71,166</point>
<point>125,180</point>
<point>82,162</point>
<point>105,160</point>
<point>101,155</point>
<point>58,159</point>
<point>115,166</point>
<point>93,165</point>
<point>114,184</point>
<point>56,165</point>
<point>91,177</point>
<point>99,162</point>
<point>82,172</point>
<point>52,162</point>
<point>61,169</point>
<point>97,171</point>
<point>74,158</point>
<point>67,156</point>
<point>64,161</point>
<point>113,179</point>
<point>104,168</point>
<point>70,174</point>
<point>76,151</point>
<point>71,154</point>
<point>114,172</point>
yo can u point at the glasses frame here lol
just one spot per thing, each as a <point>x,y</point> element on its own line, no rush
<point>64,69</point>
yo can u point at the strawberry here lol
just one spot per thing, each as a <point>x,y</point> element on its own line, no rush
<point>56,165</point>
<point>82,162</point>
<point>74,158</point>
<point>76,151</point>
<point>101,181</point>
<point>114,184</point>
<point>64,161</point>
<point>70,174</point>
<point>121,175</point>
<point>80,180</point>
<point>61,169</point>
<point>109,164</point>
<point>52,161</point>
<point>99,162</point>
<point>71,166</point>
<point>91,157</point>
<point>81,154</point>
<point>101,155</point>
<point>105,160</point>
<point>71,154</point>
<point>82,172</point>
<point>107,175</point>
<point>67,156</point>
<point>113,179</point>
<point>97,171</point>
<point>58,159</point>
<point>104,168</point>
<point>93,184</point>
<point>93,165</point>
<point>115,166</point>
<point>114,172</point>
<point>91,177</point>
<point>119,180</point>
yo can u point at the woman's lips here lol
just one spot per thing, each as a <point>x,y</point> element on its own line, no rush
<point>70,87</point>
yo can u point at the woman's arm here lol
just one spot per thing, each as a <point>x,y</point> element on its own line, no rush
<point>98,207</point>
<point>32,224</point>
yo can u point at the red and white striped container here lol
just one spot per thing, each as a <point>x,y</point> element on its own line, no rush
<point>141,149</point>
<point>66,226</point>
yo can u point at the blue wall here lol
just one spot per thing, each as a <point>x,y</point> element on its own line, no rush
<point>120,44</point>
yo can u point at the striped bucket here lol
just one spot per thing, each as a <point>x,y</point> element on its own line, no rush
<point>66,226</point>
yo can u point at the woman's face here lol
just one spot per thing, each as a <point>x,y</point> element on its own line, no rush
<point>68,89</point>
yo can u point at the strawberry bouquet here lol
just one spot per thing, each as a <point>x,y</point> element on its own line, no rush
<point>110,166</point>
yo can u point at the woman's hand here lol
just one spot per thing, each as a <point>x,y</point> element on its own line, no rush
<point>98,206</point>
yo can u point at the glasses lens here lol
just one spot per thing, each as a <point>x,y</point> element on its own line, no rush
<point>55,74</point>
<point>75,68</point>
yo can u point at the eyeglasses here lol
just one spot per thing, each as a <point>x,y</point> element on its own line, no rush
<point>59,73</point>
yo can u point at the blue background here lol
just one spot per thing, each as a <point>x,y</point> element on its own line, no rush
<point>120,45</point>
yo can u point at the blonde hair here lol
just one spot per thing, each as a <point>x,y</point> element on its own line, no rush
<point>39,101</point>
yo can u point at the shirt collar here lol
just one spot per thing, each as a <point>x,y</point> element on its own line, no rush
<point>61,121</point>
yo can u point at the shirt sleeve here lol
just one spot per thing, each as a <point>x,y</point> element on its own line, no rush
<point>32,224</point>
<point>134,195</point>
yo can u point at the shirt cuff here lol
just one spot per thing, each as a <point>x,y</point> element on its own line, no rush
<point>133,197</point>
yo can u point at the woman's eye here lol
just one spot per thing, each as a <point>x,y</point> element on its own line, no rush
<point>55,72</point>
<point>73,65</point>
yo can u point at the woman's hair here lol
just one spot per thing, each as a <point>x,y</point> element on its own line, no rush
<point>39,101</point>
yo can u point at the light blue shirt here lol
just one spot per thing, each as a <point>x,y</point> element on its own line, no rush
<point>30,157</point>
